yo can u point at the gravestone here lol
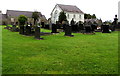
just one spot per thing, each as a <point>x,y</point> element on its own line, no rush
<point>75,28</point>
<point>105,29</point>
<point>115,24</point>
<point>72,23</point>
<point>88,29</point>
<point>37,33</point>
<point>93,27</point>
<point>21,30</point>
<point>43,24</point>
<point>68,30</point>
<point>54,28</point>
<point>14,27</point>
<point>80,26</point>
<point>28,30</point>
<point>47,26</point>
<point>112,27</point>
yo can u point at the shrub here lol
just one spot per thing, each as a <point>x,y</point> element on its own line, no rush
<point>22,19</point>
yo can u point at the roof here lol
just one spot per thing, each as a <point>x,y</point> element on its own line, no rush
<point>43,16</point>
<point>70,8</point>
<point>92,20</point>
<point>15,13</point>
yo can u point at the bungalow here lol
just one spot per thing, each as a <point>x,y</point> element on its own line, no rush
<point>119,11</point>
<point>11,16</point>
<point>70,10</point>
<point>0,18</point>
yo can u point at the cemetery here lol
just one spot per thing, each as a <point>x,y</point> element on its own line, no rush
<point>60,47</point>
<point>56,54</point>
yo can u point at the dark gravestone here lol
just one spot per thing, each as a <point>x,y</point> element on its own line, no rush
<point>81,28</point>
<point>58,25</point>
<point>115,25</point>
<point>93,27</point>
<point>68,30</point>
<point>13,27</point>
<point>37,33</point>
<point>105,29</point>
<point>75,28</point>
<point>21,30</point>
<point>72,23</point>
<point>28,30</point>
<point>43,24</point>
<point>54,28</point>
<point>47,26</point>
<point>88,29</point>
<point>112,28</point>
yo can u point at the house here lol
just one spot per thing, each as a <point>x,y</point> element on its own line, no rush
<point>119,11</point>
<point>43,19</point>
<point>70,10</point>
<point>4,19</point>
<point>0,18</point>
<point>12,16</point>
<point>94,21</point>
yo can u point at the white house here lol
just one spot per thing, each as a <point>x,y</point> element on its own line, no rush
<point>70,10</point>
<point>119,11</point>
<point>0,18</point>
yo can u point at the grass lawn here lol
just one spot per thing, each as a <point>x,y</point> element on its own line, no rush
<point>57,54</point>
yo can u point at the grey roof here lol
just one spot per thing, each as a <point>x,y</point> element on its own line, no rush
<point>43,16</point>
<point>70,8</point>
<point>15,13</point>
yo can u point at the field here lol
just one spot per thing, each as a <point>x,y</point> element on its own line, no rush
<point>57,54</point>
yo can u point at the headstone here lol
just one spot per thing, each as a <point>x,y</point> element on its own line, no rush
<point>37,33</point>
<point>47,26</point>
<point>14,27</point>
<point>115,24</point>
<point>43,24</point>
<point>54,28</point>
<point>105,29</point>
<point>58,25</point>
<point>28,30</point>
<point>68,30</point>
<point>81,27</point>
<point>75,28</point>
<point>93,27</point>
<point>21,30</point>
<point>72,23</point>
<point>88,29</point>
<point>112,28</point>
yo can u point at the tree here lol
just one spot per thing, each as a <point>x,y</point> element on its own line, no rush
<point>22,19</point>
<point>62,17</point>
<point>93,16</point>
<point>87,16</point>
<point>35,16</point>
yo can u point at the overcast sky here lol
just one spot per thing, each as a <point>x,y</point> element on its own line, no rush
<point>104,9</point>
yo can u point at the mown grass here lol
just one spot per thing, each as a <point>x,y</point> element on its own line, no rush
<point>57,54</point>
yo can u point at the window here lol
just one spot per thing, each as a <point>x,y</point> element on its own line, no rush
<point>80,16</point>
<point>74,16</point>
<point>55,14</point>
<point>68,16</point>
<point>12,20</point>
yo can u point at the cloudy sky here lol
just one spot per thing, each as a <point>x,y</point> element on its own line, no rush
<point>104,9</point>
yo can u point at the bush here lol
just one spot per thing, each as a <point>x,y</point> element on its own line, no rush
<point>22,19</point>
